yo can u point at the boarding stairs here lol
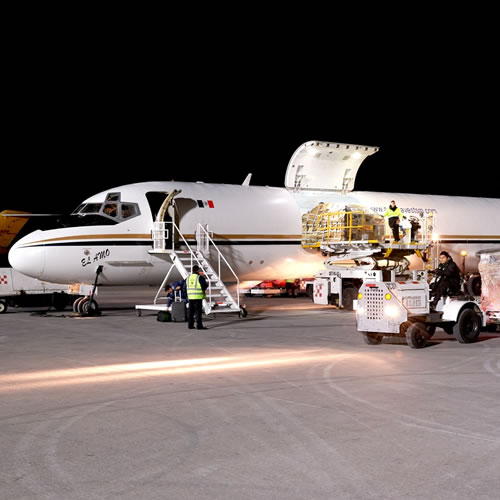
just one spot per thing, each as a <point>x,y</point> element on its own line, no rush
<point>170,243</point>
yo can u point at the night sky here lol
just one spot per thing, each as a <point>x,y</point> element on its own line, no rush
<point>105,117</point>
<point>53,165</point>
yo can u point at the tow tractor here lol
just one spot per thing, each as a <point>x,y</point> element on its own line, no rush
<point>402,309</point>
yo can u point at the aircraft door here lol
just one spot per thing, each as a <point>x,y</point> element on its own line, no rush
<point>167,214</point>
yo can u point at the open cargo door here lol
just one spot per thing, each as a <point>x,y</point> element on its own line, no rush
<point>325,166</point>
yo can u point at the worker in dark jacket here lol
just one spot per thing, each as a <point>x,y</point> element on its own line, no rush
<point>448,278</point>
<point>179,288</point>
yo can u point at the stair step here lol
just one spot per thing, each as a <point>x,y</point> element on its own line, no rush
<point>220,299</point>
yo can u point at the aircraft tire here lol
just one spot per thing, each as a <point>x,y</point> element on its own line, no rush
<point>88,307</point>
<point>76,303</point>
<point>79,307</point>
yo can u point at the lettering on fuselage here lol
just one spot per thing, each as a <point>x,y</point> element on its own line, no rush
<point>411,210</point>
<point>98,256</point>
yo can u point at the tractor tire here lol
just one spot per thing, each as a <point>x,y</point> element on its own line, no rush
<point>474,286</point>
<point>417,336</point>
<point>468,326</point>
<point>3,306</point>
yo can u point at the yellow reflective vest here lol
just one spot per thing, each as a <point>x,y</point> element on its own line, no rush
<point>193,287</point>
<point>393,213</point>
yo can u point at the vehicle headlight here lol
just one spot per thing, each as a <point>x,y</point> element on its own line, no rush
<point>391,311</point>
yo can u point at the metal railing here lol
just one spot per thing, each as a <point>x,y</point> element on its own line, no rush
<point>328,229</point>
<point>161,236</point>
<point>165,239</point>
<point>344,227</point>
<point>204,240</point>
<point>425,234</point>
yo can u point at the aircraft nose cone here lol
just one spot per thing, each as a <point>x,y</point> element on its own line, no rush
<point>27,259</point>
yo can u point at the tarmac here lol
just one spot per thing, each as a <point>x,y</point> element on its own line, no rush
<point>287,403</point>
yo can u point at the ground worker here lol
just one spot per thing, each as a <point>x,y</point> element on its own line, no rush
<point>448,279</point>
<point>394,215</point>
<point>195,287</point>
<point>179,290</point>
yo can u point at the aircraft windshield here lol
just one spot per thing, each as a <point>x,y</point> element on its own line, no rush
<point>112,208</point>
<point>91,208</point>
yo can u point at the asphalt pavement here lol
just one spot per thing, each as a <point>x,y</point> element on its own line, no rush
<point>287,403</point>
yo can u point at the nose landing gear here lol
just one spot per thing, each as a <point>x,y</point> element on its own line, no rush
<point>87,306</point>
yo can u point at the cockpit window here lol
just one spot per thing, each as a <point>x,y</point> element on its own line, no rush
<point>90,208</point>
<point>79,209</point>
<point>129,210</point>
<point>113,197</point>
<point>112,209</point>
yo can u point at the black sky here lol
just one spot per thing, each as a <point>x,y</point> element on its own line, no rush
<point>81,121</point>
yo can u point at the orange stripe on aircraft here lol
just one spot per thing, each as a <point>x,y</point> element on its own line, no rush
<point>228,237</point>
<point>94,237</point>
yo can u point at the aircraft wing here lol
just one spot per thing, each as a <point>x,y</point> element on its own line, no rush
<point>26,215</point>
<point>10,225</point>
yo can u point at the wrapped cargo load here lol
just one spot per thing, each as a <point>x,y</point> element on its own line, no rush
<point>489,268</point>
<point>345,224</point>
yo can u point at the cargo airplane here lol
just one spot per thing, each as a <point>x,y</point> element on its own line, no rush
<point>264,232</point>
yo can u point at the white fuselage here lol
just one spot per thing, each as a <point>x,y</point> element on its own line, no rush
<point>257,228</point>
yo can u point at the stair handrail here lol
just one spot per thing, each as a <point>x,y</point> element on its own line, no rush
<point>221,256</point>
<point>160,238</point>
<point>191,251</point>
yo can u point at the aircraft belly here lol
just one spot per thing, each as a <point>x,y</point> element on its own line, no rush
<point>122,265</point>
<point>270,261</point>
